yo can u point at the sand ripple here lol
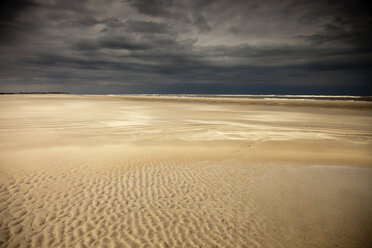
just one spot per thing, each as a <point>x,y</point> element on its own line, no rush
<point>178,203</point>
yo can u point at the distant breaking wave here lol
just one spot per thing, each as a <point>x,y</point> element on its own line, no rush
<point>297,97</point>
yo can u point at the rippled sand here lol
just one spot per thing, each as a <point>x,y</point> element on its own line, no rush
<point>136,171</point>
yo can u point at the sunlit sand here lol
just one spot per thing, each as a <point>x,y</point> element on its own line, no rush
<point>156,171</point>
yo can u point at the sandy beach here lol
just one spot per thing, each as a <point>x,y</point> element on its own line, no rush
<point>156,171</point>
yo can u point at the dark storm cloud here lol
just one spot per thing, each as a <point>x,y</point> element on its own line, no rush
<point>188,46</point>
<point>11,9</point>
<point>9,12</point>
<point>351,23</point>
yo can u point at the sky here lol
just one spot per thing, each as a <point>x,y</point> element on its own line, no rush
<point>186,46</point>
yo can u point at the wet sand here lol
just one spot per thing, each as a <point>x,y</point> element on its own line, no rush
<point>155,171</point>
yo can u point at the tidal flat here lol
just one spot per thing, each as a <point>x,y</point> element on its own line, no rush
<point>178,171</point>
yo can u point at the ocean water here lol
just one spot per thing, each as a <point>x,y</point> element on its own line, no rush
<point>298,97</point>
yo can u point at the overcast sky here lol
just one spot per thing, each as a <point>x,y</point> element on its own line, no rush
<point>186,46</point>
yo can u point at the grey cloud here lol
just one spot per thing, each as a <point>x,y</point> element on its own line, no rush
<point>121,42</point>
<point>347,33</point>
<point>152,7</point>
<point>113,22</point>
<point>81,21</point>
<point>87,21</point>
<point>145,42</point>
<point>146,26</point>
<point>202,23</point>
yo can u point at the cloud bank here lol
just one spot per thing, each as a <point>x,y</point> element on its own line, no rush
<point>186,46</point>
